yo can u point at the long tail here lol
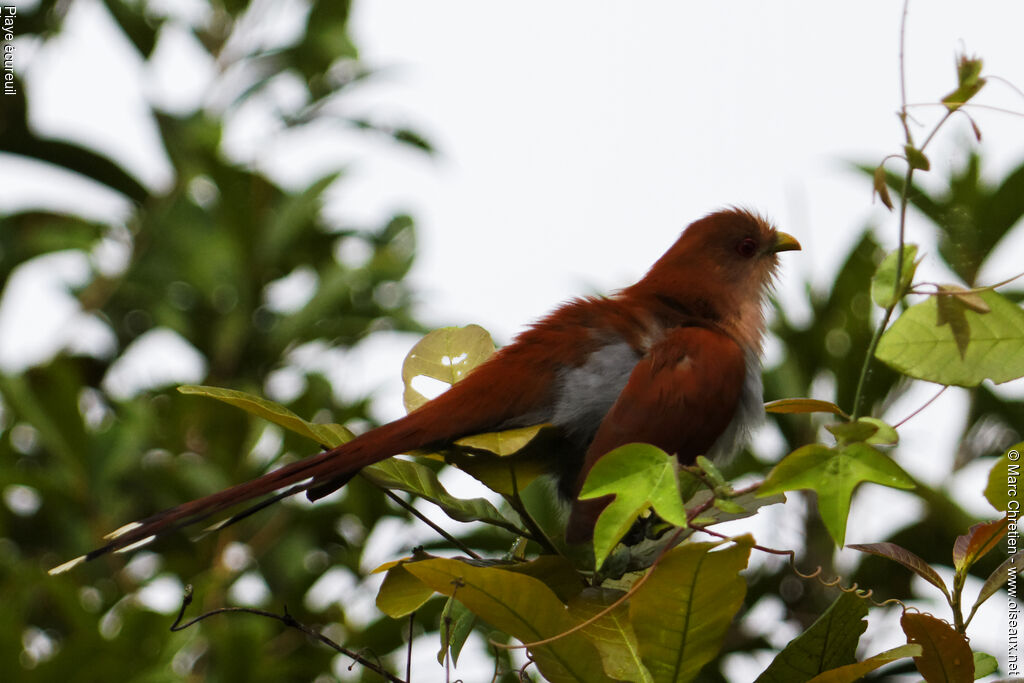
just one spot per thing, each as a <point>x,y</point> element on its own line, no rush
<point>322,472</point>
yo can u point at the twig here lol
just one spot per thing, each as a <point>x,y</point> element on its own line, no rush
<point>286,619</point>
<point>423,518</point>
<point>927,403</point>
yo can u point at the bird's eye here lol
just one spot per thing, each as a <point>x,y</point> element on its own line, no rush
<point>746,247</point>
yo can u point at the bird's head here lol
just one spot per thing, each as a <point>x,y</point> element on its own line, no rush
<point>721,267</point>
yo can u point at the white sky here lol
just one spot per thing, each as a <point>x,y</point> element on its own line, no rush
<point>576,139</point>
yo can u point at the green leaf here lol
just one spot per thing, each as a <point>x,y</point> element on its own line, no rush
<point>969,82</point>
<point>834,473</point>
<point>327,435</point>
<point>401,593</point>
<point>919,345</point>
<point>612,634</point>
<point>852,432</point>
<point>681,613</point>
<point>457,623</point>
<point>1003,479</point>
<point>856,671</point>
<point>522,607</point>
<point>886,434</point>
<point>640,476</point>
<point>447,355</point>
<point>413,477</point>
<point>916,158</point>
<point>984,665</point>
<point>830,642</point>
<point>883,284</point>
<point>977,542</point>
<point>803,405</point>
<point>946,655</point>
<point>908,559</point>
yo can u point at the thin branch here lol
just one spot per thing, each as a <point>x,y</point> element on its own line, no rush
<point>286,619</point>
<point>927,403</point>
<point>423,518</point>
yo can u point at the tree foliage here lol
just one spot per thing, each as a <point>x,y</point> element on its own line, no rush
<point>650,600</point>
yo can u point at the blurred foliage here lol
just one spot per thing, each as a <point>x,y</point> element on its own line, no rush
<point>201,257</point>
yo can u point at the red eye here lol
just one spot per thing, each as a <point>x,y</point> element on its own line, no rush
<point>746,247</point>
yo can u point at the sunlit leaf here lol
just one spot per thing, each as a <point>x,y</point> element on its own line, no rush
<point>401,593</point>
<point>830,642</point>
<point>681,613</point>
<point>834,473</point>
<point>506,442</point>
<point>447,355</point>
<point>946,655</point>
<point>919,345</point>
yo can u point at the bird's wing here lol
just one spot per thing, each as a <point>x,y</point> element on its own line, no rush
<point>681,396</point>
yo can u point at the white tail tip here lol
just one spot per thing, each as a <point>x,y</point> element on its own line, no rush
<point>67,566</point>
<point>116,533</point>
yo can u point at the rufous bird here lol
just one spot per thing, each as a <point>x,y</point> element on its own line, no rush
<point>673,361</point>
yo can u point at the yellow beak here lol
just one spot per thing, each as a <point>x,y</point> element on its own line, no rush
<point>784,242</point>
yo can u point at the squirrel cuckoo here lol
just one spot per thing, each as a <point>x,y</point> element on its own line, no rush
<point>673,360</point>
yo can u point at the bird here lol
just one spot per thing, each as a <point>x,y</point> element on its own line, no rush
<point>672,360</point>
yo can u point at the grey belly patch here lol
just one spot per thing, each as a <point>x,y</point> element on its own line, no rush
<point>586,393</point>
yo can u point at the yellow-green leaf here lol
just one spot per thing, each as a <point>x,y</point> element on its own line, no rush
<point>612,634</point>
<point>401,593</point>
<point>446,355</point>
<point>681,613</point>
<point>328,435</point>
<point>857,670</point>
<point>502,443</point>
<point>522,607</point>
<point>919,346</point>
